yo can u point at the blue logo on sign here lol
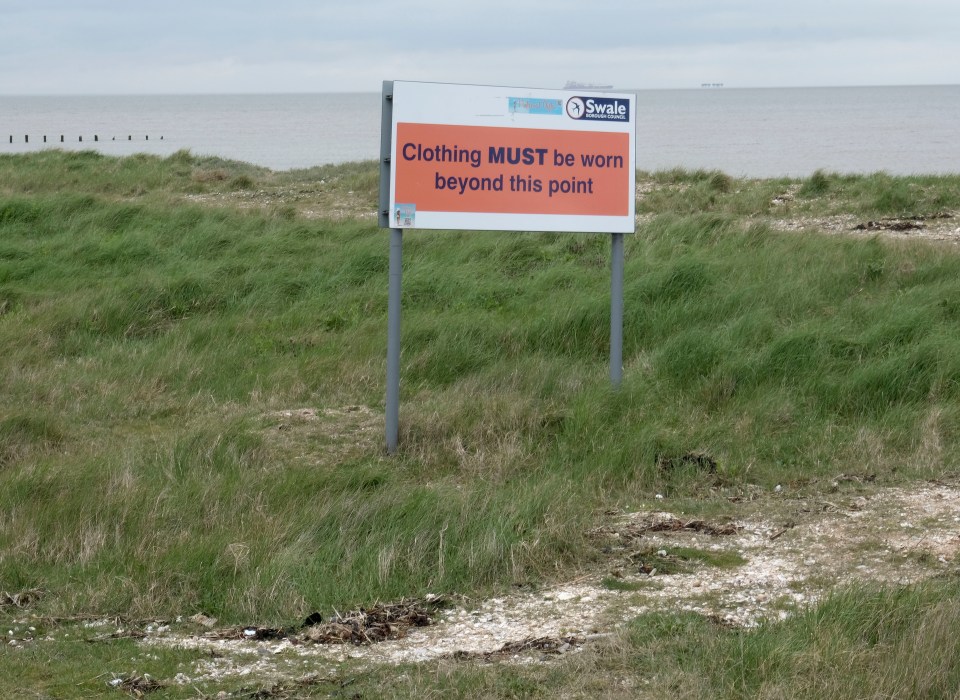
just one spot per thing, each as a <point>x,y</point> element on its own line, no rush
<point>611,109</point>
<point>535,105</point>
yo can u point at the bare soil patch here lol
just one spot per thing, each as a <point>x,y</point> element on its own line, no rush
<point>766,560</point>
<point>327,435</point>
<point>309,200</point>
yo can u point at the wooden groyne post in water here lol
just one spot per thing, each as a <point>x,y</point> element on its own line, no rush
<point>96,138</point>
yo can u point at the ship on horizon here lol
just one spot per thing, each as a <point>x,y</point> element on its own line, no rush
<point>574,85</point>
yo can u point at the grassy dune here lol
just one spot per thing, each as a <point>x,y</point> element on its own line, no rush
<point>153,344</point>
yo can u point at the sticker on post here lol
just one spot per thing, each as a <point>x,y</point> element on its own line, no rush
<point>405,215</point>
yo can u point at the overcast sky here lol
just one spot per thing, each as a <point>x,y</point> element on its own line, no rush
<point>241,46</point>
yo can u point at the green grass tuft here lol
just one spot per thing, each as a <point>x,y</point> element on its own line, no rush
<point>150,347</point>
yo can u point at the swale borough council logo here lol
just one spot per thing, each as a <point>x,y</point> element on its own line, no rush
<point>596,108</point>
<point>575,108</point>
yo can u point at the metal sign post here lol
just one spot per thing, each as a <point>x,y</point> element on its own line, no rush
<point>396,274</point>
<point>616,309</point>
<point>393,340</point>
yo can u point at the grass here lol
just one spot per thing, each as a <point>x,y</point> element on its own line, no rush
<point>612,583</point>
<point>149,346</point>
<point>822,194</point>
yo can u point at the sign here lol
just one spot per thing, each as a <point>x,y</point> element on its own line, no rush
<point>508,159</point>
<point>520,159</point>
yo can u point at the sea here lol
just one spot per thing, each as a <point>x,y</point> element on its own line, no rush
<point>744,132</point>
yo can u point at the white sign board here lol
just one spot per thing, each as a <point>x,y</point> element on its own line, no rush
<point>518,159</point>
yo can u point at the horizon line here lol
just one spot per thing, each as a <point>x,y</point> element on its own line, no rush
<point>712,87</point>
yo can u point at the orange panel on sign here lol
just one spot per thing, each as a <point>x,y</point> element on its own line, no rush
<point>483,169</point>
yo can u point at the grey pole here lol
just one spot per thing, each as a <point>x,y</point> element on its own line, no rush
<point>393,340</point>
<point>616,310</point>
<point>392,408</point>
